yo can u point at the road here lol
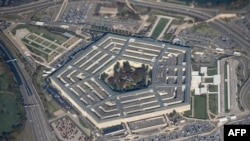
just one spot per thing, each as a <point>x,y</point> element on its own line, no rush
<point>28,7</point>
<point>34,109</point>
<point>193,12</point>
<point>244,95</point>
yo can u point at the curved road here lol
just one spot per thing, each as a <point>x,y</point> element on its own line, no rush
<point>245,91</point>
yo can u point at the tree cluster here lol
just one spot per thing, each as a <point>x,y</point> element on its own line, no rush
<point>127,78</point>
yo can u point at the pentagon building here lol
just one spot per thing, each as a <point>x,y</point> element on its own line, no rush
<point>80,84</point>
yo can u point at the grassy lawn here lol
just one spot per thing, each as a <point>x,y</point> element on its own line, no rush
<point>82,122</point>
<point>60,50</point>
<point>25,40</point>
<point>41,30</point>
<point>225,97</point>
<point>4,82</point>
<point>211,71</point>
<point>9,114</point>
<point>49,103</point>
<point>213,88</point>
<point>53,46</point>
<point>225,71</point>
<point>32,37</point>
<point>45,43</point>
<point>213,103</point>
<point>36,46</point>
<point>38,52</point>
<point>200,107</point>
<point>159,27</point>
<point>189,112</point>
<point>225,89</point>
<point>11,17</point>
<point>39,40</point>
<point>12,112</point>
<point>47,50</point>
<point>209,80</point>
<point>205,28</point>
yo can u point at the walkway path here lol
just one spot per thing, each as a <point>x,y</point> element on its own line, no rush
<point>130,7</point>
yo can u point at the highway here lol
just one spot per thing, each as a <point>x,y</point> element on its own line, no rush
<point>193,12</point>
<point>35,112</point>
<point>28,7</point>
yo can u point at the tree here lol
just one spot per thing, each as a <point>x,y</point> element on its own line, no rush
<point>126,66</point>
<point>150,73</point>
<point>104,76</point>
<point>143,67</point>
<point>111,80</point>
<point>117,66</point>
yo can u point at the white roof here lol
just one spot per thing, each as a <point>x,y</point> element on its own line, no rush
<point>39,23</point>
<point>204,70</point>
<point>216,79</point>
<point>195,73</point>
<point>223,119</point>
<point>233,117</point>
<point>197,91</point>
<point>203,90</point>
<point>195,82</point>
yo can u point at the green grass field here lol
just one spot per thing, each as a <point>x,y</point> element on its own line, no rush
<point>60,50</point>
<point>11,17</point>
<point>213,103</point>
<point>205,28</point>
<point>4,82</point>
<point>225,97</point>
<point>12,111</point>
<point>209,80</point>
<point>42,31</point>
<point>39,40</point>
<point>38,52</point>
<point>47,50</point>
<point>225,89</point>
<point>9,113</point>
<point>200,107</point>
<point>211,71</point>
<point>213,88</point>
<point>45,43</point>
<point>32,37</point>
<point>35,45</point>
<point>53,46</point>
<point>159,27</point>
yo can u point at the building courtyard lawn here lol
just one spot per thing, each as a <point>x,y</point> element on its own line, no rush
<point>211,71</point>
<point>213,88</point>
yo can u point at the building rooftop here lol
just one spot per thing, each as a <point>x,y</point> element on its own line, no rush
<point>79,80</point>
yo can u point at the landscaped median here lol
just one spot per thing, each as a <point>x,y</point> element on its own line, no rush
<point>159,27</point>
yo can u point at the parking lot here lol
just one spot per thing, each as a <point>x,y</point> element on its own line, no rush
<point>76,12</point>
<point>242,24</point>
<point>194,37</point>
<point>188,130</point>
